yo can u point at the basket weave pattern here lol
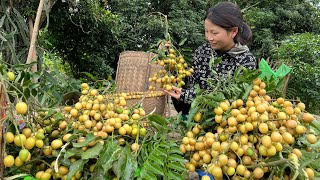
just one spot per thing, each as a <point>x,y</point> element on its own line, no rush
<point>133,72</point>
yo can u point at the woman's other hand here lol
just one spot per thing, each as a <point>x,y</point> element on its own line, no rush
<point>175,92</point>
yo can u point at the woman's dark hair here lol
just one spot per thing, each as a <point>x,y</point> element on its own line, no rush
<point>228,15</point>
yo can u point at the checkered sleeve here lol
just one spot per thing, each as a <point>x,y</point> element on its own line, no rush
<point>188,93</point>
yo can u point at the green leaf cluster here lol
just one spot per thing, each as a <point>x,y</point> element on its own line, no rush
<point>41,89</point>
<point>160,157</point>
<point>301,53</point>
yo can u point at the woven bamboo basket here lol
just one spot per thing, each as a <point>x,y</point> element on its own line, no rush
<point>133,71</point>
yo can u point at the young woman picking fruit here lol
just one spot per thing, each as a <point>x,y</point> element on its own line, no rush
<point>227,35</point>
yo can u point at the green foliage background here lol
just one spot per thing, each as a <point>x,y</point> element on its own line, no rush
<point>301,52</point>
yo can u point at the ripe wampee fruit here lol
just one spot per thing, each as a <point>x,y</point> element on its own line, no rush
<point>11,76</point>
<point>21,108</point>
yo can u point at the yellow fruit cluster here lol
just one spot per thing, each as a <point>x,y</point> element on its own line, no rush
<point>247,134</point>
<point>173,73</point>
<point>105,114</point>
<point>26,141</point>
<point>137,95</point>
<point>100,115</point>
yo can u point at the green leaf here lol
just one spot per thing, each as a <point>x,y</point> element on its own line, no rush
<point>2,38</point>
<point>183,41</point>
<point>154,168</point>
<point>50,113</point>
<point>2,20</point>
<point>218,97</point>
<point>89,138</point>
<point>316,124</point>
<point>175,158</point>
<point>75,167</point>
<point>177,166</point>
<point>175,150</point>
<point>144,174</point>
<point>58,116</point>
<point>158,119</point>
<point>108,155</point>
<point>164,145</point>
<point>246,92</point>
<point>90,76</point>
<point>71,152</point>
<point>156,158</point>
<point>98,173</point>
<point>192,113</point>
<point>159,123</point>
<point>126,166</point>
<point>92,152</point>
<point>161,152</point>
<point>174,175</point>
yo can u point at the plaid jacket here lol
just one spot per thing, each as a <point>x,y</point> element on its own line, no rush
<point>230,61</point>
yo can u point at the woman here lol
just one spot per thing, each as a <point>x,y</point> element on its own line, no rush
<point>227,35</point>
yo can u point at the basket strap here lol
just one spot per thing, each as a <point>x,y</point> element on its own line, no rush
<point>146,83</point>
<point>117,73</point>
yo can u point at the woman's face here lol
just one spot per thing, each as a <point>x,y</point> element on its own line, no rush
<point>218,37</point>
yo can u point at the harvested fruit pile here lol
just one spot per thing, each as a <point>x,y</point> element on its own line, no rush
<point>67,143</point>
<point>254,138</point>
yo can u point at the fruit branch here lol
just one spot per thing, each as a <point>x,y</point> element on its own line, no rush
<point>166,22</point>
<point>273,163</point>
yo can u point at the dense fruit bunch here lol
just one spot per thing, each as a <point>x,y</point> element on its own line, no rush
<point>248,135</point>
<point>86,124</point>
<point>137,95</point>
<point>174,71</point>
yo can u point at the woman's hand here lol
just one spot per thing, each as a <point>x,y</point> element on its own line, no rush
<point>176,92</point>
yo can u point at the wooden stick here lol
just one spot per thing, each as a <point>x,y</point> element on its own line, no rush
<point>34,52</point>
<point>35,32</point>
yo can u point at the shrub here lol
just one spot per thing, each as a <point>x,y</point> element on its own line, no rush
<point>302,53</point>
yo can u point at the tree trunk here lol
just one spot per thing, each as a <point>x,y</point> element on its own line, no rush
<point>34,52</point>
<point>35,33</point>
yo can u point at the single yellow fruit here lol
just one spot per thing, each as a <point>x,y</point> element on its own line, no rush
<point>258,173</point>
<point>8,161</point>
<point>197,117</point>
<point>56,144</point>
<point>38,174</point>
<point>66,137</point>
<point>39,143</point>
<point>45,176</point>
<point>18,162</point>
<point>205,177</point>
<point>30,142</point>
<point>123,102</point>
<point>310,173</point>
<point>9,137</point>
<point>84,85</point>
<point>20,140</point>
<point>307,117</point>
<point>21,108</point>
<point>39,135</point>
<point>135,116</point>
<point>135,147</point>
<point>23,155</point>
<point>27,132</point>
<point>11,76</point>
<point>63,170</point>
<point>143,131</point>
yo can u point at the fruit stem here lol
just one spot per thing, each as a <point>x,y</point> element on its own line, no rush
<point>273,163</point>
